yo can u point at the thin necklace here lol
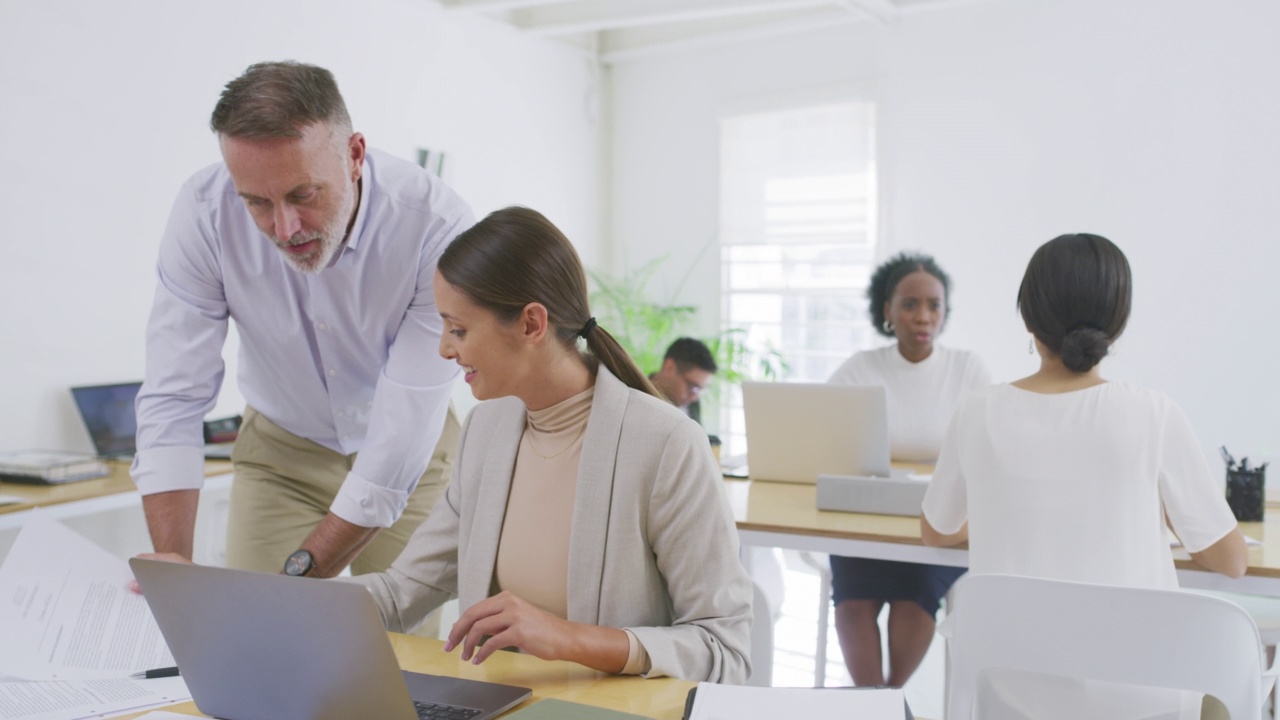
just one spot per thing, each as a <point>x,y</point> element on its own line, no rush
<point>538,452</point>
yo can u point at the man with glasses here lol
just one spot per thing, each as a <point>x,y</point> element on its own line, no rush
<point>686,370</point>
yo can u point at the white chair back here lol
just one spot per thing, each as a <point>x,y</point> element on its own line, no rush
<point>761,639</point>
<point>1156,638</point>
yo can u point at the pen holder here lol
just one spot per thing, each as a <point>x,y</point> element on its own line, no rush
<point>1246,493</point>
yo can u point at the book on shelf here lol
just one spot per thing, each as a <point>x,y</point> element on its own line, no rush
<point>50,466</point>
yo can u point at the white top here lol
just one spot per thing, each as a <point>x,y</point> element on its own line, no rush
<point>1075,486</point>
<point>347,357</point>
<point>921,396</point>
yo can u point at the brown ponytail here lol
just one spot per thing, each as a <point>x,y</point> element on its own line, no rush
<point>516,256</point>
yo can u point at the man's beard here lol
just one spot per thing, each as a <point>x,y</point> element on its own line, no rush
<point>330,237</point>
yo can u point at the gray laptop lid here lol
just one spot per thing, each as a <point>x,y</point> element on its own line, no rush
<point>256,645</point>
<point>798,431</point>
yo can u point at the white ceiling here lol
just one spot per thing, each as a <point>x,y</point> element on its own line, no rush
<point>618,29</point>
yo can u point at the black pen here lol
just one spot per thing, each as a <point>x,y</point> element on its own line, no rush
<point>156,673</point>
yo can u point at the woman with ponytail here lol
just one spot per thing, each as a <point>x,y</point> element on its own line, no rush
<point>1065,475</point>
<point>585,519</point>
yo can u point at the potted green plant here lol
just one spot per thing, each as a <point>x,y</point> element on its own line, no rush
<point>645,327</point>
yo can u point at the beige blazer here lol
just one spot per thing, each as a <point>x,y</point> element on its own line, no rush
<point>653,547</point>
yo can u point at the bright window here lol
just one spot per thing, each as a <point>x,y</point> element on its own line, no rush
<point>798,238</point>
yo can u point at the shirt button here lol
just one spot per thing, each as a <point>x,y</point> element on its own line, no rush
<point>321,326</point>
<point>340,413</point>
<point>332,372</point>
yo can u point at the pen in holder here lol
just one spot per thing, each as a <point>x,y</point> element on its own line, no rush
<point>1246,488</point>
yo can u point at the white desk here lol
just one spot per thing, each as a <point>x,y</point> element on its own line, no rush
<point>108,511</point>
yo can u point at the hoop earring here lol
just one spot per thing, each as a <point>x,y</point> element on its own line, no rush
<point>888,327</point>
<point>1031,345</point>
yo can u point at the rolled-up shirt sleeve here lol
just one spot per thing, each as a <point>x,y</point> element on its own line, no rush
<point>409,407</point>
<point>185,334</point>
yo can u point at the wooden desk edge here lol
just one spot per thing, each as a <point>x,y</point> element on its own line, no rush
<point>116,483</point>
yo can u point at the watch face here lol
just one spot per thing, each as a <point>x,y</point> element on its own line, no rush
<point>299,563</point>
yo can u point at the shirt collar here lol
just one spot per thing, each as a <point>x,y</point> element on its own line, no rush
<point>362,209</point>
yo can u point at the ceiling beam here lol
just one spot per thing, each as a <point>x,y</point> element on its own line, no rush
<point>884,11</point>
<point>597,15</point>
<point>496,5</point>
<point>619,47</point>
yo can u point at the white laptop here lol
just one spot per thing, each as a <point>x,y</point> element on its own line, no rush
<point>258,646</point>
<point>798,431</point>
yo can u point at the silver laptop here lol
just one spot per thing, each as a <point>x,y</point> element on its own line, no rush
<point>108,415</point>
<point>798,431</point>
<point>257,645</point>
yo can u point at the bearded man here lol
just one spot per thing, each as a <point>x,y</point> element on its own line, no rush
<point>323,253</point>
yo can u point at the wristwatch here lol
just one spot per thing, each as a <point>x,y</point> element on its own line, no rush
<point>299,564</point>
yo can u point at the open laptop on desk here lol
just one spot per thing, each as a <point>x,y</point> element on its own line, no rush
<point>834,435</point>
<point>108,415</point>
<point>257,645</point>
<point>798,431</point>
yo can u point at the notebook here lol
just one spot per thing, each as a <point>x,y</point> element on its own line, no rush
<point>108,415</point>
<point>260,645</point>
<point>798,431</point>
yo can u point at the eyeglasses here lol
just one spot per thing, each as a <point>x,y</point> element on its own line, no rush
<point>694,388</point>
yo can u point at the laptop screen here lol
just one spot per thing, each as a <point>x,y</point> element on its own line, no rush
<point>108,414</point>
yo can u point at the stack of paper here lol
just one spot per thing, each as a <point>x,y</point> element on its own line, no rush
<point>50,466</point>
<point>736,702</point>
<point>73,632</point>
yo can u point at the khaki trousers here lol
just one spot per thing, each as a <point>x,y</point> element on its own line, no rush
<point>284,485</point>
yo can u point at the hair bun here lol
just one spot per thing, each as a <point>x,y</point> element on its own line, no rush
<point>1084,347</point>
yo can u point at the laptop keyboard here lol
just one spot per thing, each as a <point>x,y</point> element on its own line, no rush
<point>435,711</point>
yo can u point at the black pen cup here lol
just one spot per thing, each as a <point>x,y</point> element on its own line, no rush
<point>1246,493</point>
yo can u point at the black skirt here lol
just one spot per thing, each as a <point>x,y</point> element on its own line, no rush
<point>885,580</point>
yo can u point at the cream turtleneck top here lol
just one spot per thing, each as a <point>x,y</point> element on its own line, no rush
<point>533,551</point>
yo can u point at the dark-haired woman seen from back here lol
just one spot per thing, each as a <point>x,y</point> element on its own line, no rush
<point>1065,475</point>
<point>585,520</point>
<point>923,381</point>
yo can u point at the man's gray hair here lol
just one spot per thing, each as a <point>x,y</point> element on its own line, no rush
<point>279,100</point>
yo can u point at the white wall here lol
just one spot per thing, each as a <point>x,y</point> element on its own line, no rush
<point>1003,124</point>
<point>105,113</point>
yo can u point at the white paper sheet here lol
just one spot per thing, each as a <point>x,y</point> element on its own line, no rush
<point>66,612</point>
<point>162,715</point>
<point>77,699</point>
<point>737,702</point>
<point>11,500</point>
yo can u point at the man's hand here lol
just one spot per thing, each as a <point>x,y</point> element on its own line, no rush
<point>166,557</point>
<point>334,543</point>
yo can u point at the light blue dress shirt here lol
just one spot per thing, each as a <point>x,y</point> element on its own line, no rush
<point>348,357</point>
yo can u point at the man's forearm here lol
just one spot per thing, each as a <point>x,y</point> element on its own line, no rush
<point>335,543</point>
<point>171,519</point>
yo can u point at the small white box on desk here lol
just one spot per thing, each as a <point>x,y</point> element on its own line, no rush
<point>898,495</point>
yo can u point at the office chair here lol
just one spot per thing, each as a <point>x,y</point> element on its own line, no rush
<point>761,639</point>
<point>1265,612</point>
<point>1153,638</point>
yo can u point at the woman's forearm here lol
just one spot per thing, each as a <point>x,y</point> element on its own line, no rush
<point>600,648</point>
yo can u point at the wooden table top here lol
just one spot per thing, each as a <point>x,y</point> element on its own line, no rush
<point>659,698</point>
<point>791,508</point>
<point>115,483</point>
